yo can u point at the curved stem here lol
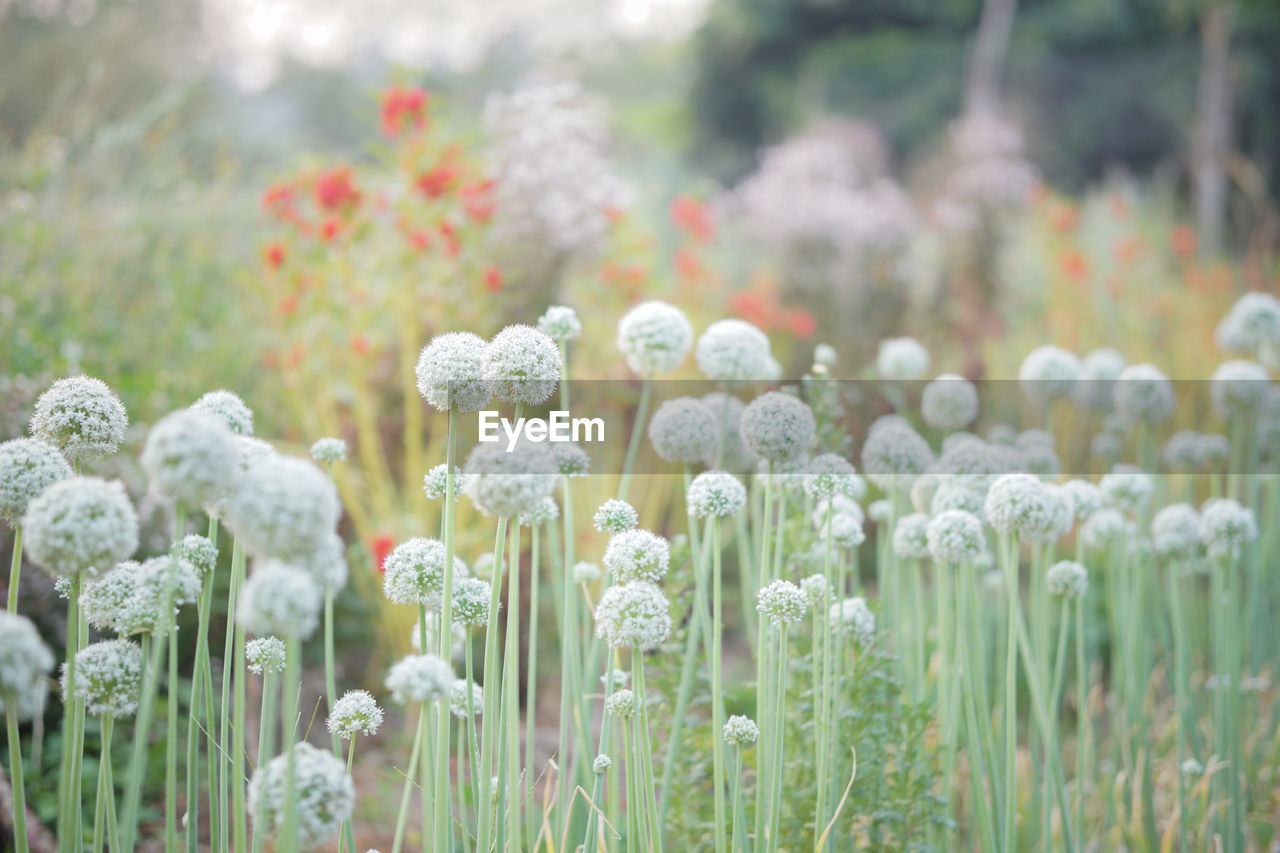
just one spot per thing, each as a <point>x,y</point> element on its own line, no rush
<point>637,428</point>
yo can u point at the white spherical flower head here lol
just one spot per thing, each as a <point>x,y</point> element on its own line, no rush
<point>683,430</point>
<point>955,537</point>
<point>356,712</point>
<point>910,536</point>
<point>229,408</point>
<point>413,573</point>
<point>1067,579</point>
<point>560,323</point>
<point>1252,323</point>
<point>1211,451</point>
<point>1179,451</point>
<point>192,457</point>
<point>1099,371</point>
<point>584,572</point>
<point>323,795</point>
<point>831,475</point>
<point>1085,497</point>
<point>1226,527</point>
<point>107,599</point>
<point>833,507</point>
<point>777,427</point>
<point>109,678</point>
<point>436,482</point>
<point>522,365</point>
<point>1020,503</point>
<point>570,458</point>
<point>505,483</point>
<point>329,450</point>
<point>466,699</point>
<point>1237,387</point>
<point>880,511</point>
<point>637,555</point>
<point>1102,529</point>
<point>1143,394</point>
<point>894,455</point>
<point>198,551</point>
<point>733,455</point>
<point>715,494</point>
<point>1002,434</point>
<point>825,355</point>
<point>846,531</point>
<point>81,416</point>
<point>634,615</point>
<point>265,655</point>
<point>654,337</point>
<point>543,512</point>
<point>817,589</point>
<point>280,599</point>
<point>952,495</point>
<point>327,564</point>
<point>450,371</point>
<point>601,764</point>
<point>471,601</point>
<point>615,516</point>
<point>1049,372</point>
<point>854,617</point>
<point>740,731</point>
<point>949,402</point>
<point>28,466</point>
<point>164,585</point>
<point>420,678</point>
<point>782,603</point>
<point>731,350</point>
<point>1034,439</point>
<point>1061,519</point>
<point>25,662</point>
<point>901,359</point>
<point>1175,530</point>
<point>923,490</point>
<point>1127,487</point>
<point>78,524</point>
<point>283,507</point>
<point>623,704</point>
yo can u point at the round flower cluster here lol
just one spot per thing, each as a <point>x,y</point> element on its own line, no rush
<point>1048,372</point>
<point>329,450</point>
<point>1098,374</point>
<point>817,589</point>
<point>1085,498</point>
<point>265,655</point>
<point>198,551</point>
<point>420,678</point>
<point>164,584</point>
<point>951,495</point>
<point>1103,528</point>
<point>1211,451</point>
<point>893,455</point>
<point>1143,394</point>
<point>466,698</point>
<point>655,337</point>
<point>716,494</point>
<point>191,456</point>
<point>615,516</point>
<point>637,555</point>
<point>80,523</point>
<point>1179,451</point>
<point>25,662</point>
<point>1067,579</point>
<point>227,406</point>
<point>323,795</point>
<point>901,359</point>
<point>283,507</point>
<point>830,475</point>
<point>279,599</point>
<point>471,601</point>
<point>740,731</point>
<point>634,615</point>
<point>1226,527</point>
<point>782,602</point>
<point>436,482</point>
<point>28,466</point>
<point>910,536</point>
<point>854,617</point>
<point>560,323</point>
<point>683,430</point>
<point>522,365</point>
<point>506,484</point>
<point>107,599</point>
<point>109,678</point>
<point>601,764</point>
<point>955,537</point>
<point>81,416</point>
<point>776,427</point>
<point>1127,487</point>
<point>413,573</point>
<point>543,512</point>
<point>1020,503</point>
<point>571,460</point>
<point>949,402</point>
<point>450,372</point>
<point>923,490</point>
<point>733,349</point>
<point>356,712</point>
<point>1253,323</point>
<point>623,704</point>
<point>846,530</point>
<point>327,564</point>
<point>1237,387</point>
<point>1175,530</point>
<point>584,572</point>
<point>729,452</point>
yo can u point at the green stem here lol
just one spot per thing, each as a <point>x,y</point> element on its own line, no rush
<point>15,775</point>
<point>981,801</point>
<point>717,689</point>
<point>104,785</point>
<point>531,669</point>
<point>238,674</point>
<point>492,692</point>
<point>15,570</point>
<point>288,839</point>
<point>171,745</point>
<point>1009,552</point>
<point>645,748</point>
<point>442,824</point>
<point>511,694</point>
<point>637,428</point>
<point>1180,698</point>
<point>195,697</point>
<point>410,769</point>
<point>779,736</point>
<point>737,796</point>
<point>344,831</point>
<point>1082,722</point>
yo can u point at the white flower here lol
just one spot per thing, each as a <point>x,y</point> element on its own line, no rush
<point>830,474</point>
<point>1143,394</point>
<point>601,763</point>
<point>901,359</point>
<point>1085,497</point>
<point>413,572</point>
<point>1226,527</point>
<point>1180,451</point>
<point>1238,386</point>
<point>880,511</point>
<point>450,370</point>
<point>923,490</point>
<point>436,482</point>
<point>506,484</point>
<point>623,704</point>
<point>570,458</point>
<point>716,494</point>
<point>1211,450</point>
<point>81,416</point>
<point>957,496</point>
<point>634,615</point>
<point>1061,516</point>
<point>543,512</point>
<point>109,677</point>
<point>78,524</point>
<point>1191,767</point>
<point>731,350</point>
<point>25,662</point>
<point>191,456</point>
<point>777,427</point>
<point>733,456</point>
<point>894,455</point>
<point>910,536</point>
<point>1098,374</point>
<point>655,337</point>
<point>107,598</point>
<point>28,466</point>
<point>825,355</point>
<point>462,692</point>
<point>949,402</point>
<point>420,678</point>
<point>846,531</point>
<point>355,712</point>
<point>327,564</point>
<point>782,602</point>
<point>683,430</point>
<point>1103,528</point>
<point>1048,372</point>
<point>522,365</point>
<point>1252,323</point>
<point>324,795</point>
<point>1020,503</point>
<point>615,515</point>
<point>836,506</point>
<point>955,537</point>
<point>740,731</point>
<point>1127,487</point>
<point>1067,578</point>
<point>584,572</point>
<point>1175,530</point>
<point>560,323</point>
<point>637,555</point>
<point>329,450</point>
<point>265,655</point>
<point>279,599</point>
<point>198,551</point>
<point>471,601</point>
<point>230,408</point>
<point>283,507</point>
<point>853,616</point>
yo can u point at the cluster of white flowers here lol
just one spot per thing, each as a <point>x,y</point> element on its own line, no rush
<point>81,416</point>
<point>894,454</point>
<point>571,460</point>
<point>436,482</point>
<point>955,537</point>
<point>450,372</point>
<point>329,450</point>
<point>265,655</point>
<point>1099,371</point>
<point>831,475</point>
<point>634,615</point>
<point>25,662</point>
<point>109,678</point>
<point>356,712</point>
<point>279,599</point>
<point>413,573</point>
<point>654,337</point>
<point>1067,579</point>
<point>1226,527</point>
<point>1252,325</point>
<point>854,617</point>
<point>901,359</point>
<point>283,507</point>
<point>1238,387</point>
<point>227,406</point>
<point>601,764</point>
<point>729,452</point>
<point>777,427</point>
<point>560,323</point>
<point>505,483</point>
<point>544,511</point>
<point>522,365</point>
<point>78,524</point>
<point>420,678</point>
<point>28,466</point>
<point>1048,373</point>
<point>471,601</point>
<point>782,603</point>
<point>910,536</point>
<point>198,551</point>
<point>740,731</point>
<point>732,350</point>
<point>614,516</point>
<point>1143,394</point>
<point>1102,529</point>
<point>622,704</point>
<point>637,555</point>
<point>323,795</point>
<point>715,494</point>
<point>466,698</point>
<point>683,430</point>
<point>1175,530</point>
<point>949,402</point>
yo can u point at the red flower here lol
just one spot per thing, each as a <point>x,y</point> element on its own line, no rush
<point>689,265</point>
<point>753,307</point>
<point>438,181</point>
<point>420,239</point>
<point>276,197</point>
<point>493,279</point>
<point>334,189</point>
<point>801,323</point>
<point>478,201</point>
<point>693,217</point>
<point>330,229</point>
<point>401,107</point>
<point>1183,241</point>
<point>1074,265</point>
<point>450,235</point>
<point>381,546</point>
<point>273,254</point>
<point>360,345</point>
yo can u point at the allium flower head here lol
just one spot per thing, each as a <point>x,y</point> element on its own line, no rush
<point>560,323</point>
<point>570,458</point>
<point>949,402</point>
<point>356,712</point>
<point>830,474</point>
<point>733,456</point>
<point>1175,530</point>
<point>1238,386</point>
<point>880,511</point>
<point>28,466</point>
<point>109,677</point>
<point>450,370</point>
<point>436,481</point>
<point>1002,434</point>
<point>1061,516</point>
<point>825,355</point>
<point>817,589</point>
<point>715,494</point>
<point>601,764</point>
<point>584,572</point>
<point>324,795</point>
<point>265,655</point>
<point>894,455</point>
<point>777,427</point>
<point>1179,451</point>
<point>740,731</point>
<point>106,600</point>
<point>280,599</point>
<point>731,350</point>
<point>1020,503</point>
<point>846,531</point>
<point>198,551</point>
<point>854,617</point>
<point>637,555</point>
<point>1252,323</point>
<point>543,512</point>
<point>957,496</point>
<point>420,678</point>
<point>1067,579</point>
<point>615,516</point>
<point>80,523</point>
<point>227,406</point>
<point>522,365</point>
<point>283,507</point>
<point>1085,497</point>
<point>901,359</point>
<point>1103,528</point>
<point>1226,527</point>
<point>836,506</point>
<point>81,416</point>
<point>655,337</point>
<point>923,490</point>
<point>191,456</point>
<point>327,564</point>
<point>1098,374</point>
<point>413,573</point>
<point>910,536</point>
<point>1127,487</point>
<point>782,602</point>
<point>459,694</point>
<point>622,704</point>
<point>329,450</point>
<point>1048,372</point>
<point>471,601</point>
<point>25,661</point>
<point>955,537</point>
<point>1143,394</point>
<point>1211,451</point>
<point>683,430</point>
<point>634,615</point>
<point>505,483</point>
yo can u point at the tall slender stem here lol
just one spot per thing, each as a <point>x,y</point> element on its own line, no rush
<point>288,839</point>
<point>637,428</point>
<point>717,698</point>
<point>492,692</point>
<point>15,570</point>
<point>1009,554</point>
<point>442,824</point>
<point>103,802</point>
<point>237,672</point>
<point>16,776</point>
